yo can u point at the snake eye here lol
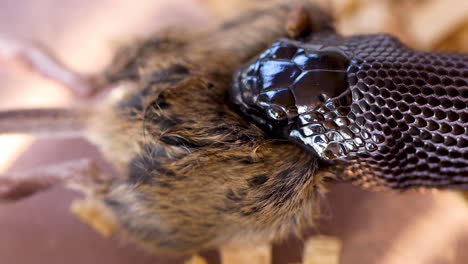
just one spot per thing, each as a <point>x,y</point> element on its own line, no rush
<point>276,113</point>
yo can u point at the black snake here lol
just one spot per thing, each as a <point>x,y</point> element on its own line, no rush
<point>384,115</point>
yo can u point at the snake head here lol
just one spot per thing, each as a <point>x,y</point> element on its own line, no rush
<point>287,80</point>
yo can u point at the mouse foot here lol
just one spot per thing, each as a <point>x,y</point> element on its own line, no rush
<point>82,175</point>
<point>36,58</point>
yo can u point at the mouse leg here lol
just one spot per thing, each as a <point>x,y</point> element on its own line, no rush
<point>40,122</point>
<point>36,58</point>
<point>82,175</point>
<point>48,123</point>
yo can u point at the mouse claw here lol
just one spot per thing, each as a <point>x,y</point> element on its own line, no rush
<point>35,58</point>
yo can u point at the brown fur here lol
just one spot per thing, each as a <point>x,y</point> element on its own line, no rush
<point>199,175</point>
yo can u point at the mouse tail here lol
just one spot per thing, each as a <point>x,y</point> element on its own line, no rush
<point>45,123</point>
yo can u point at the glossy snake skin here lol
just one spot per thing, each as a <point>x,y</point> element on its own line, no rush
<point>383,115</point>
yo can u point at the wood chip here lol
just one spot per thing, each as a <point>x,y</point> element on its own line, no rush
<point>322,250</point>
<point>96,215</point>
<point>246,254</point>
<point>196,260</point>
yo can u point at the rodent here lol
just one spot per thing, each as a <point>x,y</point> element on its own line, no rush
<point>192,172</point>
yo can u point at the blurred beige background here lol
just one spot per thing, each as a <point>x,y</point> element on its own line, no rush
<point>385,228</point>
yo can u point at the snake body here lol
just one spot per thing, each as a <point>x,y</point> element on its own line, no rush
<point>382,114</point>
